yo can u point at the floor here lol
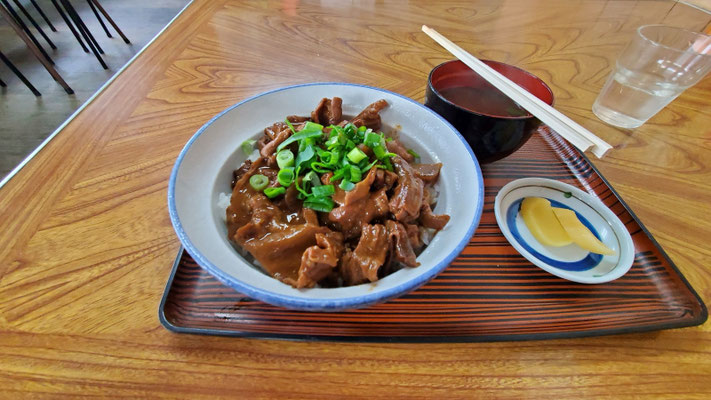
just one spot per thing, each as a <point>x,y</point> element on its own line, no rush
<point>27,120</point>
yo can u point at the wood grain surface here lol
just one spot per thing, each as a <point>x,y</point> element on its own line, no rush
<point>87,244</point>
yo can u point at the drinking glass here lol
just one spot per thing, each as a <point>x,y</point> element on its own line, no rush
<point>656,66</point>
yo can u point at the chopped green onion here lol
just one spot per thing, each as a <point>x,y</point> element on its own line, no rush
<point>362,128</point>
<point>379,152</point>
<point>335,156</point>
<point>285,158</point>
<point>356,155</point>
<point>567,195</point>
<point>302,192</point>
<point>332,141</point>
<point>312,178</point>
<point>350,130</point>
<point>338,174</point>
<point>346,185</point>
<point>368,167</point>
<point>323,190</point>
<point>320,167</point>
<point>312,126</point>
<point>355,174</point>
<point>273,192</point>
<point>323,204</point>
<point>290,125</point>
<point>323,155</point>
<point>305,156</point>
<point>303,134</point>
<point>258,182</point>
<point>372,139</point>
<point>413,153</point>
<point>285,176</point>
<point>248,146</point>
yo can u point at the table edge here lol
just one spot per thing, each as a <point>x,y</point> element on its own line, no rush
<point>100,90</point>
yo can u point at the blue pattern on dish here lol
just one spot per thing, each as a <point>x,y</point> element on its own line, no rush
<point>587,263</point>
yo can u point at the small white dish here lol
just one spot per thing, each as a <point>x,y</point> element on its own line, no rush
<point>204,168</point>
<point>568,262</point>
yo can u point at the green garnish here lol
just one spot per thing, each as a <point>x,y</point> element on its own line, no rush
<point>336,153</point>
<point>290,125</point>
<point>373,139</point>
<point>321,168</point>
<point>273,192</point>
<point>312,179</point>
<point>285,176</point>
<point>248,146</point>
<point>323,190</point>
<point>367,168</point>
<point>305,156</point>
<point>413,153</point>
<point>346,185</point>
<point>356,155</point>
<point>323,204</point>
<point>567,195</point>
<point>350,130</point>
<point>258,182</point>
<point>311,130</point>
<point>354,173</point>
<point>285,158</point>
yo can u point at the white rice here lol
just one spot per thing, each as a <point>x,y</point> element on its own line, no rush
<point>223,201</point>
<point>426,235</point>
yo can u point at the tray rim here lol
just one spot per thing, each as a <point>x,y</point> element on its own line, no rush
<point>699,320</point>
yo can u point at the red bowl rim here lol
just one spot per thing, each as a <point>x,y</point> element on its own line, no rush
<point>439,95</point>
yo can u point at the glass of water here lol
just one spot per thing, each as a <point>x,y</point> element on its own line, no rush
<point>655,67</point>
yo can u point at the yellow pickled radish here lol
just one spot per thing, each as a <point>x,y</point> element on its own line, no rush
<point>579,233</point>
<point>538,215</point>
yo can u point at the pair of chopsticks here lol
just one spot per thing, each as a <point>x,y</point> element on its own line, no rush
<point>564,126</point>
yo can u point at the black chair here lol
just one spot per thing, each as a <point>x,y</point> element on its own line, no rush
<point>19,74</point>
<point>82,29</point>
<point>96,3</point>
<point>34,23</point>
<point>43,15</point>
<point>34,48</point>
<point>17,20</point>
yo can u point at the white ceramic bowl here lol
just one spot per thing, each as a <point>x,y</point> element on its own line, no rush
<point>204,168</point>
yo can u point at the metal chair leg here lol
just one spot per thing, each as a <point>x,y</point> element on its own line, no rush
<point>34,23</point>
<point>70,25</point>
<point>16,19</point>
<point>43,15</point>
<point>31,45</point>
<point>19,75</point>
<point>80,25</point>
<point>2,83</point>
<point>84,32</point>
<point>101,21</point>
<point>111,21</point>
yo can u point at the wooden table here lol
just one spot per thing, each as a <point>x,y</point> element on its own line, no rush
<point>87,244</point>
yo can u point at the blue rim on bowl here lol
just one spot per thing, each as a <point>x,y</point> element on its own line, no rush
<point>318,303</point>
<point>568,262</point>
